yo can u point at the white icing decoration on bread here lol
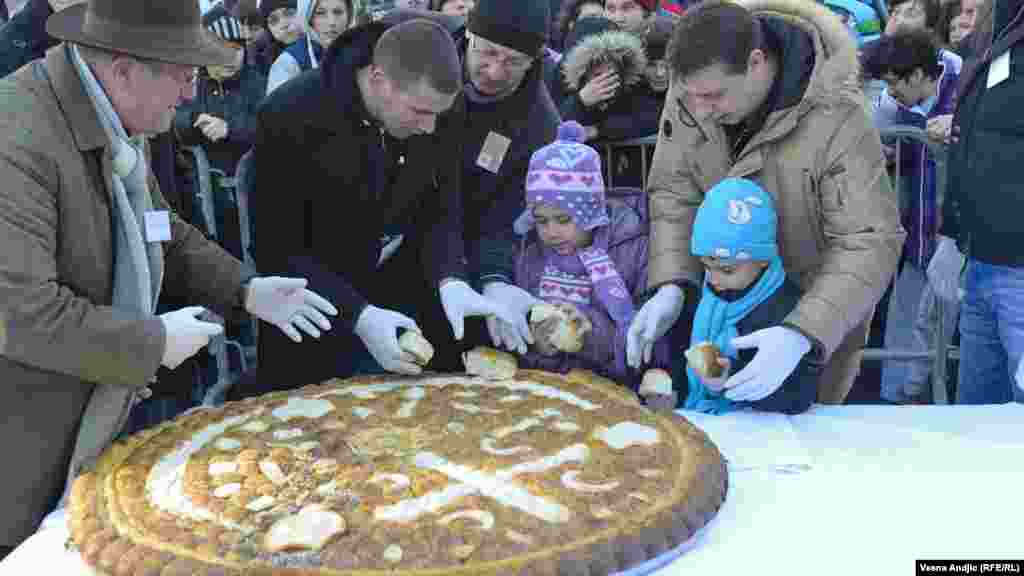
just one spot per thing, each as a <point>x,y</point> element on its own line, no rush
<point>397,481</point>
<point>565,426</point>
<point>361,412</point>
<point>473,409</point>
<point>273,472</point>
<point>548,413</point>
<point>227,444</point>
<point>650,473</point>
<point>310,529</point>
<point>413,395</point>
<point>519,538</point>
<point>288,434</point>
<point>626,434</point>
<point>324,465</point>
<point>466,394</point>
<point>311,408</point>
<point>307,445</point>
<point>227,490</point>
<point>218,468</point>
<point>511,398</point>
<point>456,427</point>
<point>328,489</point>
<point>499,486</point>
<point>256,427</point>
<point>487,445</point>
<point>165,488</point>
<point>393,553</point>
<point>260,504</point>
<point>569,479</point>
<point>370,391</point>
<point>520,427</point>
<point>482,517</point>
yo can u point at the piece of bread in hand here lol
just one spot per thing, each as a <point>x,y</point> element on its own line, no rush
<point>490,363</point>
<point>703,358</point>
<point>567,333</point>
<point>416,345</point>
<point>656,381</point>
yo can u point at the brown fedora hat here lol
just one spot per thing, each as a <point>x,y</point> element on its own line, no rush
<point>164,30</point>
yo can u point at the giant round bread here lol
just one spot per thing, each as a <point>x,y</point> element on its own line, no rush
<point>542,474</point>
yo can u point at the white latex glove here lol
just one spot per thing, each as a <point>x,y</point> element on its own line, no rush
<point>1020,374</point>
<point>944,270</point>
<point>287,304</point>
<point>460,301</point>
<point>186,334</point>
<point>652,322</point>
<point>519,301</point>
<point>779,350</point>
<point>378,329</point>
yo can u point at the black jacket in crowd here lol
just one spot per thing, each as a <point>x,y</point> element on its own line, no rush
<point>330,184</point>
<point>984,201</point>
<point>530,120</point>
<point>235,100</point>
<point>23,38</point>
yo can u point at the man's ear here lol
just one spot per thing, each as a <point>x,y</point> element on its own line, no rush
<point>121,71</point>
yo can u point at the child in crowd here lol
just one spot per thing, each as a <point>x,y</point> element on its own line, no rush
<point>745,290</point>
<point>584,253</point>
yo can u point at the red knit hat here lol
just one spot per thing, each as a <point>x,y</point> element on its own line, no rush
<point>649,5</point>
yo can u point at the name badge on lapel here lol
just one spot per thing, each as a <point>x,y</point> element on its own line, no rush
<point>493,152</point>
<point>158,226</point>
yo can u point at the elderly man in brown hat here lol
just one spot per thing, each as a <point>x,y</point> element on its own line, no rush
<point>88,242</point>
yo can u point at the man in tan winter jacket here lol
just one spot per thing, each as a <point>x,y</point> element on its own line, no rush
<point>769,90</point>
<point>88,243</point>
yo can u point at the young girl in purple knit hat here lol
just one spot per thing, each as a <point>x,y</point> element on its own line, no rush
<point>584,254</point>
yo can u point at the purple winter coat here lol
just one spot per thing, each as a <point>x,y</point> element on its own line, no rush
<point>604,350</point>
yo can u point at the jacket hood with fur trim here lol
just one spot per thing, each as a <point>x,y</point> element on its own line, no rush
<point>624,49</point>
<point>836,74</point>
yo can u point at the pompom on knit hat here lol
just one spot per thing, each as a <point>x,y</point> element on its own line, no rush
<point>566,174</point>
<point>736,221</point>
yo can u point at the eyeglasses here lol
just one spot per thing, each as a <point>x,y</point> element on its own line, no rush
<point>490,56</point>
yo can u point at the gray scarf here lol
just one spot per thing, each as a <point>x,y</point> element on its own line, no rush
<point>138,266</point>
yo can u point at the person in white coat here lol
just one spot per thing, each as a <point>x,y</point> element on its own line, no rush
<point>322,22</point>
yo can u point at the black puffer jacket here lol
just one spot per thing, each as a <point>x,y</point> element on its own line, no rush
<point>234,100</point>
<point>24,39</point>
<point>635,111</point>
<point>983,198</point>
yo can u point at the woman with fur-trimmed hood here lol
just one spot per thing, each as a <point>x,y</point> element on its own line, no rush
<point>606,88</point>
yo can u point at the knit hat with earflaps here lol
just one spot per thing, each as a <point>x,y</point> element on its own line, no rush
<point>566,174</point>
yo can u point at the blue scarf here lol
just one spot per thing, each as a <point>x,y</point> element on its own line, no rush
<point>715,321</point>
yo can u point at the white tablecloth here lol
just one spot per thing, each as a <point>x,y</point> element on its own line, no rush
<point>839,490</point>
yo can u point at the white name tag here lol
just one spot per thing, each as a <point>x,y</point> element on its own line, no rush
<point>999,70</point>
<point>158,226</point>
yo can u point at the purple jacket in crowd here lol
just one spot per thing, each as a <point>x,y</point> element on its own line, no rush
<point>604,350</point>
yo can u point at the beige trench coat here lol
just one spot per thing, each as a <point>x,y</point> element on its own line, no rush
<point>59,336</point>
<point>821,159</point>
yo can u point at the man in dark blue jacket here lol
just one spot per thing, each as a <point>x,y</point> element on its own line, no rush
<point>509,115</point>
<point>982,212</point>
<point>352,160</point>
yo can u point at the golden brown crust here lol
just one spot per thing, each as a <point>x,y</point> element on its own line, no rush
<point>668,507</point>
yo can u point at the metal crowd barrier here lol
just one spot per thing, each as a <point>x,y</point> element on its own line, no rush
<point>645,143</point>
<point>940,352</point>
<point>219,345</point>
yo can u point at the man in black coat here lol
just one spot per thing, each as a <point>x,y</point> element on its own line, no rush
<point>352,161</point>
<point>981,212</point>
<point>509,115</point>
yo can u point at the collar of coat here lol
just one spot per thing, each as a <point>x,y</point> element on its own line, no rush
<point>78,109</point>
<point>835,79</point>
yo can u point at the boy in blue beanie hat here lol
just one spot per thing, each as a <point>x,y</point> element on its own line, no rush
<point>745,289</point>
